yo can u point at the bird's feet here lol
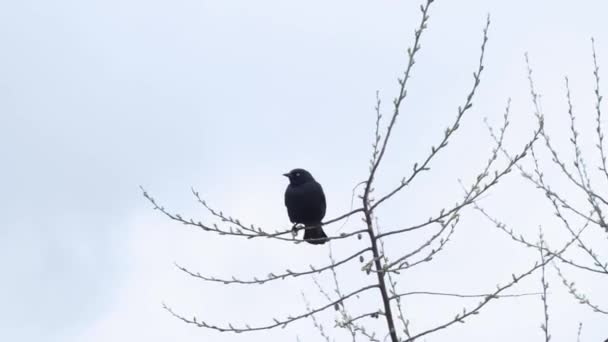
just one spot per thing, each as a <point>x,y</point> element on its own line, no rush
<point>294,230</point>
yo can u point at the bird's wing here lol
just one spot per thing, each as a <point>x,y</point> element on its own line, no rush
<point>290,205</point>
<point>322,200</point>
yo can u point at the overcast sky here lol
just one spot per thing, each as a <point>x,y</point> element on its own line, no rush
<point>100,97</point>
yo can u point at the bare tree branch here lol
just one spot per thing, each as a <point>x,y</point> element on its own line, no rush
<point>459,318</point>
<point>367,209</point>
<point>581,297</point>
<point>459,295</point>
<point>476,189</point>
<point>271,276</point>
<point>277,323</point>
<point>545,285</point>
<point>319,326</point>
<point>450,130</point>
<point>598,111</point>
<point>520,239</point>
<point>592,196</point>
<point>251,231</point>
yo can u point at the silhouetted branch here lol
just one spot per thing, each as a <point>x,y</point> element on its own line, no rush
<point>522,240</point>
<point>367,201</point>
<point>315,322</point>
<point>581,297</point>
<point>377,135</point>
<point>272,276</point>
<point>401,263</point>
<point>350,323</point>
<point>476,189</point>
<point>253,229</point>
<point>557,201</point>
<point>244,231</point>
<point>347,322</point>
<point>459,295</point>
<point>591,196</point>
<point>459,318</point>
<point>399,99</point>
<point>393,291</point>
<point>598,111</point>
<point>545,285</point>
<point>581,180</point>
<point>277,323</point>
<point>450,130</point>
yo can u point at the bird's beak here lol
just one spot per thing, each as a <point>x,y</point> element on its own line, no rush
<point>286,175</point>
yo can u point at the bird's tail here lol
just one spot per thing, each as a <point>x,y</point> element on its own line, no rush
<point>313,233</point>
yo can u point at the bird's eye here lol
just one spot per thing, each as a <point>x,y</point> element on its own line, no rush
<point>297,174</point>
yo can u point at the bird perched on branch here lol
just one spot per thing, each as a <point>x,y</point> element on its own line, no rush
<point>305,202</point>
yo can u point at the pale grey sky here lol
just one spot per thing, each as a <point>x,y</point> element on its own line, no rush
<point>98,97</point>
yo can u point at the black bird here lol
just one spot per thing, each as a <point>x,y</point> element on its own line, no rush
<point>305,202</point>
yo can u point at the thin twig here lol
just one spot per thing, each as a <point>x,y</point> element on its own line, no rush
<point>249,232</point>
<point>272,276</point>
<point>366,199</point>
<point>450,130</point>
<point>459,318</point>
<point>580,297</point>
<point>545,285</point>
<point>277,323</point>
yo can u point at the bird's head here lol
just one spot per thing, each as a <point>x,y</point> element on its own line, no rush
<point>298,176</point>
